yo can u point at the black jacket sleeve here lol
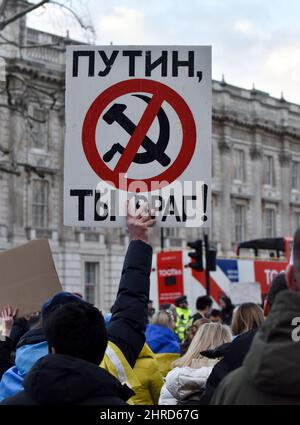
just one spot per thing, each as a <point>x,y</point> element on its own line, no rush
<point>5,355</point>
<point>233,354</point>
<point>130,311</point>
<point>218,373</point>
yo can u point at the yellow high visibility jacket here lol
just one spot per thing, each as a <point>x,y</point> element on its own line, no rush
<point>147,371</point>
<point>183,318</point>
<point>116,364</point>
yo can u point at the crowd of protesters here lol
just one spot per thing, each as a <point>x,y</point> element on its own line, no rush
<point>69,353</point>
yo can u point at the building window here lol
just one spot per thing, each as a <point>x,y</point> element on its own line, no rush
<point>239,165</point>
<point>90,281</point>
<point>296,221</point>
<point>270,224</point>
<point>40,204</point>
<point>295,175</point>
<point>39,129</point>
<point>240,223</point>
<point>269,177</point>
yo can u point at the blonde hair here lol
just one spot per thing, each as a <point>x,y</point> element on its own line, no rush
<point>208,336</point>
<point>200,322</point>
<point>246,317</point>
<point>164,318</point>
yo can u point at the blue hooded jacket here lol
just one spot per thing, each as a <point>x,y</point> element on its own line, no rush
<point>162,340</point>
<point>32,347</point>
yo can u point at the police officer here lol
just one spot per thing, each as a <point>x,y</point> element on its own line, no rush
<point>183,316</point>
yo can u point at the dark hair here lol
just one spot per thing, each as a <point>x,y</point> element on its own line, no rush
<point>228,303</point>
<point>278,284</point>
<point>59,299</point>
<point>215,312</point>
<point>77,330</point>
<point>203,302</point>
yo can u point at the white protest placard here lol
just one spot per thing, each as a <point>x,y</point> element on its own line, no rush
<point>138,125</point>
<point>245,292</point>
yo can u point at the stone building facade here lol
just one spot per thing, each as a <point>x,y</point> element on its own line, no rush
<point>256,169</point>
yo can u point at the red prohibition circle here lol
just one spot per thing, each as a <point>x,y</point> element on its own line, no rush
<point>132,86</point>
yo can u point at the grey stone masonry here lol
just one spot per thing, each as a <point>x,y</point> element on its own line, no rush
<point>246,120</point>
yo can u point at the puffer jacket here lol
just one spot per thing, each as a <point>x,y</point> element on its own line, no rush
<point>162,340</point>
<point>147,371</point>
<point>64,380</point>
<point>270,374</point>
<point>165,361</point>
<point>126,327</point>
<point>184,383</point>
<point>5,354</point>
<point>165,344</point>
<point>31,347</point>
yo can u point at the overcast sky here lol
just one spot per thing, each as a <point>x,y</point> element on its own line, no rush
<point>253,41</point>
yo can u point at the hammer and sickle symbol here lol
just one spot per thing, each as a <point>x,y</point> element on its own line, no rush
<point>153,151</point>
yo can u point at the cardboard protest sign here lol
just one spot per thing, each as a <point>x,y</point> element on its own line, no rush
<point>28,277</point>
<point>245,292</point>
<point>138,124</point>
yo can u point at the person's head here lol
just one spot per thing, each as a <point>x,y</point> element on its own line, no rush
<point>246,317</point>
<point>164,318</point>
<point>208,336</point>
<point>181,302</point>
<point>169,307</point>
<point>293,269</point>
<point>278,284</point>
<point>215,315</point>
<point>203,304</point>
<point>77,330</point>
<point>58,300</point>
<point>225,302</point>
<point>191,330</point>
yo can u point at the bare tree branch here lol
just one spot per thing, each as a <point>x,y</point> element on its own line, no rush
<point>14,169</point>
<point>21,90</point>
<point>3,6</point>
<point>9,170</point>
<point>28,46</point>
<point>5,105</point>
<point>19,15</point>
<point>78,19</point>
<point>29,167</point>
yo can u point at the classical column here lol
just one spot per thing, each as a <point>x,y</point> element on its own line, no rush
<point>285,186</point>
<point>256,155</point>
<point>17,183</point>
<point>225,147</point>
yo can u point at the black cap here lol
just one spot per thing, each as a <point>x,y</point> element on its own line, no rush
<point>180,300</point>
